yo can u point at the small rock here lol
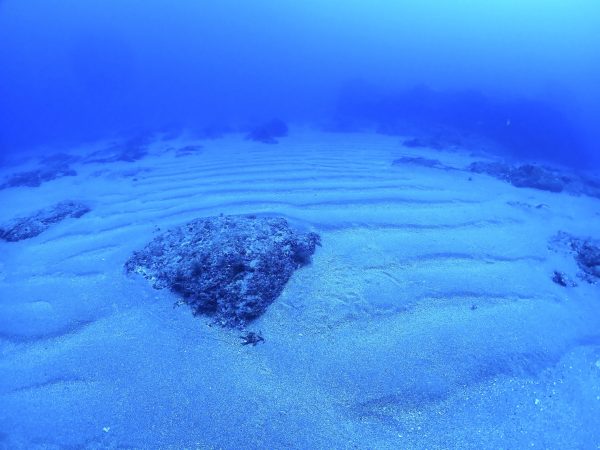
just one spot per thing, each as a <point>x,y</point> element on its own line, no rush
<point>419,161</point>
<point>252,338</point>
<point>561,279</point>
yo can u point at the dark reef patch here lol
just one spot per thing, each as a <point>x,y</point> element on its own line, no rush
<point>439,140</point>
<point>538,177</point>
<point>35,178</point>
<point>188,150</point>
<point>268,133</point>
<point>228,267</point>
<point>130,150</point>
<point>586,252</point>
<point>526,175</point>
<point>420,161</point>
<point>35,224</point>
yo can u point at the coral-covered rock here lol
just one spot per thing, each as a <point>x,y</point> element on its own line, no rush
<point>31,226</point>
<point>228,267</point>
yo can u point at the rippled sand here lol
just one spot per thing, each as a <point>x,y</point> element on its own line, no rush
<point>428,318</point>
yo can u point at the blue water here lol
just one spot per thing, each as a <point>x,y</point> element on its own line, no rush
<point>74,70</point>
<point>428,318</point>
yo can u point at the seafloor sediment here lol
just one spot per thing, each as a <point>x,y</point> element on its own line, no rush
<point>429,318</point>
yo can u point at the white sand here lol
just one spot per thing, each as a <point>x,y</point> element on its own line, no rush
<point>374,345</point>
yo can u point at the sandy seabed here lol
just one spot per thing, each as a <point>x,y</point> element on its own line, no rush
<point>427,319</point>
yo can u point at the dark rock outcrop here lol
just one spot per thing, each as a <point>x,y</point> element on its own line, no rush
<point>526,175</point>
<point>188,150</point>
<point>437,141</point>
<point>268,133</point>
<point>586,252</point>
<point>588,257</point>
<point>28,227</point>
<point>538,177</point>
<point>228,267</point>
<point>35,178</point>
<point>127,151</point>
<point>419,161</point>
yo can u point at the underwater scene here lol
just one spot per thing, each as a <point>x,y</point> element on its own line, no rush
<point>284,224</point>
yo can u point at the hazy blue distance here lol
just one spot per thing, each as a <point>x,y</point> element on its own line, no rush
<point>80,69</point>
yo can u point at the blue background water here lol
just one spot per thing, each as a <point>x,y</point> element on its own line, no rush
<point>72,70</point>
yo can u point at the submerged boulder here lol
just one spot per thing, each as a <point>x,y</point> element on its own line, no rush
<point>228,267</point>
<point>31,226</point>
<point>268,133</point>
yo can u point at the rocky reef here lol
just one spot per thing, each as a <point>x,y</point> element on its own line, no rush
<point>35,224</point>
<point>228,267</point>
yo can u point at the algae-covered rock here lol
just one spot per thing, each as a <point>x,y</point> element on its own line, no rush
<point>228,267</point>
<point>35,224</point>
